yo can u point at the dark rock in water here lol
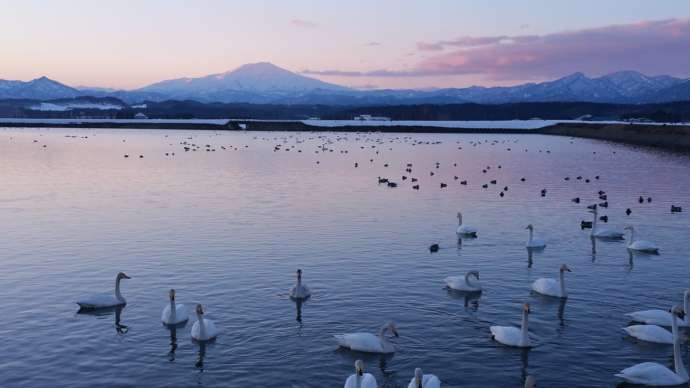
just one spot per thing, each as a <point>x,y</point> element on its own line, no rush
<point>641,200</point>
<point>602,192</point>
<point>604,218</point>
<point>404,177</point>
<point>676,209</point>
<point>415,187</point>
<point>603,197</point>
<point>493,182</point>
<point>592,207</point>
<point>501,194</point>
<point>628,211</point>
<point>585,224</point>
<point>464,183</point>
<point>567,178</point>
<point>392,184</point>
<point>434,248</point>
<point>413,179</point>
<point>649,199</point>
<point>443,185</point>
<point>522,179</point>
<point>383,180</point>
<point>576,200</point>
<point>604,204</point>
<point>485,186</point>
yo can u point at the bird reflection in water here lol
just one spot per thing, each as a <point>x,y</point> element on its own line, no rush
<point>173,343</point>
<point>298,306</point>
<point>200,356</point>
<point>471,299</point>
<point>530,253</point>
<point>524,360</point>
<point>120,328</point>
<point>594,248</point>
<point>561,311</point>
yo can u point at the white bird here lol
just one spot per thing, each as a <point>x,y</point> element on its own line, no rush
<point>203,329</point>
<point>640,245</point>
<point>369,343</point>
<point>299,291</point>
<point>650,333</point>
<point>604,233</point>
<point>662,317</point>
<point>552,287</point>
<point>174,314</point>
<point>657,375</point>
<point>421,380</point>
<point>360,379</point>
<point>463,283</point>
<point>530,382</point>
<point>105,300</point>
<point>465,230</point>
<point>512,336</point>
<point>534,243</point>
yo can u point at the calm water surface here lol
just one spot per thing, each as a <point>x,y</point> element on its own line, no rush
<point>228,228</point>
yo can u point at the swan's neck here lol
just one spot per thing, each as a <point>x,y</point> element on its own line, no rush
<point>632,236</point>
<point>677,360</point>
<point>173,310</point>
<point>118,295</point>
<point>202,326</point>
<point>524,334</point>
<point>459,220</point>
<point>358,381</point>
<point>562,284</point>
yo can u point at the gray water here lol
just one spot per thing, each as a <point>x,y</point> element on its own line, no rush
<point>228,228</point>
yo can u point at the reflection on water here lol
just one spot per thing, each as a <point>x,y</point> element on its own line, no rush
<point>115,311</point>
<point>224,228</point>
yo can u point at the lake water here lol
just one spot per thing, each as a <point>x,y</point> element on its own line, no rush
<point>228,228</point>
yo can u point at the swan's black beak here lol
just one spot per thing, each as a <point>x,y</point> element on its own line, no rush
<point>125,276</point>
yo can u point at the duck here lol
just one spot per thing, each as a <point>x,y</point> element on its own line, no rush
<point>465,230</point>
<point>534,243</point>
<point>421,380</point>
<point>655,374</point>
<point>463,283</point>
<point>641,245</point>
<point>512,336</point>
<point>105,300</point>
<point>604,233</point>
<point>370,343</point>
<point>361,379</point>
<point>552,287</point>
<point>203,329</point>
<point>650,333</point>
<point>662,317</point>
<point>174,314</point>
<point>300,291</point>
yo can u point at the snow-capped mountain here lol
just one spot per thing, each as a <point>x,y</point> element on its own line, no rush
<point>254,78</point>
<point>265,83</point>
<point>40,89</point>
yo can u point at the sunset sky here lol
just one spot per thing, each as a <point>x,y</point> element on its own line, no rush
<point>359,43</point>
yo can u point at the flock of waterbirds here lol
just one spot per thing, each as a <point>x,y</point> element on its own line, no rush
<point>651,329</point>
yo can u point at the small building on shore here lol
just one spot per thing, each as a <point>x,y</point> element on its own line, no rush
<point>371,118</point>
<point>141,116</point>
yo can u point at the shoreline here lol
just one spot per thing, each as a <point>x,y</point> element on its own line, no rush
<point>674,137</point>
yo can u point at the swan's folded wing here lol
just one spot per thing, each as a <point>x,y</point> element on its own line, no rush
<point>650,333</point>
<point>364,342</point>
<point>98,300</point>
<point>368,381</point>
<point>649,373</point>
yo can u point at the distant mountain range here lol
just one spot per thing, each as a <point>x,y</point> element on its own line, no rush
<point>265,83</point>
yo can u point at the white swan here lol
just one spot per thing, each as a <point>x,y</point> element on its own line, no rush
<point>369,343</point>
<point>299,291</point>
<point>421,380</point>
<point>654,374</point>
<point>174,314</point>
<point>534,243</point>
<point>640,245</point>
<point>203,329</point>
<point>361,379</point>
<point>512,336</point>
<point>463,283</point>
<point>552,287</point>
<point>604,233</point>
<point>105,300</point>
<point>650,333</point>
<point>465,230</point>
<point>662,317</point>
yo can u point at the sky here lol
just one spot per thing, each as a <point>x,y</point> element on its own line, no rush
<point>359,43</point>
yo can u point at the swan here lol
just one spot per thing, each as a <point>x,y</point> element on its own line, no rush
<point>512,336</point>
<point>603,233</point>
<point>650,333</point>
<point>369,343</point>
<point>361,379</point>
<point>534,243</point>
<point>105,300</point>
<point>465,230</point>
<point>662,317</point>
<point>654,374</point>
<point>299,291</point>
<point>640,245</point>
<point>530,382</point>
<point>463,283</point>
<point>552,287</point>
<point>174,314</point>
<point>203,329</point>
<point>421,380</point>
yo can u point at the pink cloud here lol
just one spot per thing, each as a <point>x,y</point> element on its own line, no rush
<point>652,47</point>
<point>301,23</point>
